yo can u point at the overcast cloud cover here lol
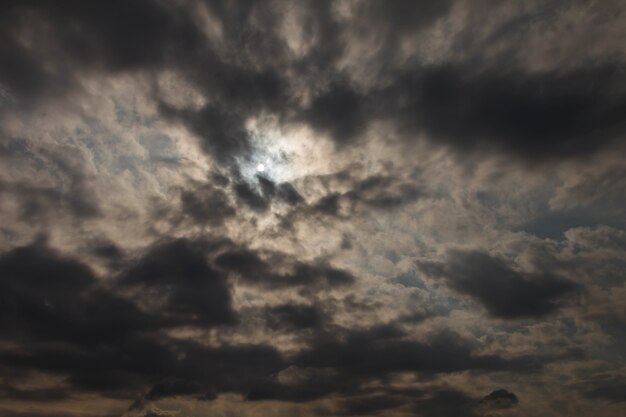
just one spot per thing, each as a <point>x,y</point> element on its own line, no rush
<point>312,208</point>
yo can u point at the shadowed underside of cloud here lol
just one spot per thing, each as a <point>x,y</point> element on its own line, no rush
<point>390,132</point>
<point>206,205</point>
<point>252,269</point>
<point>382,350</point>
<point>503,291</point>
<point>115,36</point>
<point>500,398</point>
<point>294,316</point>
<point>534,115</point>
<point>117,342</point>
<point>12,413</point>
<point>179,272</point>
<point>442,402</point>
<point>118,347</point>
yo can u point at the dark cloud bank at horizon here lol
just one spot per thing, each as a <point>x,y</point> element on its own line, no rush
<point>312,208</point>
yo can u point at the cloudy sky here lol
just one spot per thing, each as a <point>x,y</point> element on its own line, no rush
<point>312,208</point>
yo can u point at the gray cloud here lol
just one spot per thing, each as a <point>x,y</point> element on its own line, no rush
<point>440,212</point>
<point>504,292</point>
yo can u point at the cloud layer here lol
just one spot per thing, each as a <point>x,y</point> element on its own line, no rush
<point>438,229</point>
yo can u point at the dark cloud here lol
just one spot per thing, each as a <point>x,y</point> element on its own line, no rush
<point>154,285</point>
<point>207,205</point>
<point>154,413</point>
<point>13,413</point>
<point>8,391</point>
<point>36,283</point>
<point>376,192</point>
<point>246,262</point>
<point>118,349</point>
<point>288,194</point>
<point>171,387</point>
<point>178,274</point>
<point>329,204</point>
<point>500,398</point>
<point>219,180</point>
<point>260,198</point>
<point>339,113</point>
<point>402,17</point>
<point>370,405</point>
<point>120,37</point>
<point>250,197</point>
<point>537,115</point>
<point>267,186</point>
<point>446,403</point>
<point>307,385</point>
<point>221,131</point>
<point>383,350</point>
<point>175,369</point>
<point>115,36</point>
<point>107,353</point>
<point>533,115</point>
<point>106,249</point>
<point>293,316</point>
<point>203,371</point>
<point>384,192</point>
<point>43,271</point>
<point>607,387</point>
<point>120,367</point>
<point>503,291</point>
<point>21,72</point>
<point>252,269</point>
<point>239,91</point>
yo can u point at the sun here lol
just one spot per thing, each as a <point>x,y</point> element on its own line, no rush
<point>260,167</point>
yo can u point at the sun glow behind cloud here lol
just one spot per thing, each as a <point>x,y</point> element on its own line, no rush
<point>285,153</point>
<point>311,208</point>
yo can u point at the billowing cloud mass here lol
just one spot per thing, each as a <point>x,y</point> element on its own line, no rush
<point>312,208</point>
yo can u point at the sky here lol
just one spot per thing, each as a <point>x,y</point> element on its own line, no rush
<point>312,208</point>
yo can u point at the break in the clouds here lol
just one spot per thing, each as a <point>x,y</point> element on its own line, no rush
<point>312,208</point>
